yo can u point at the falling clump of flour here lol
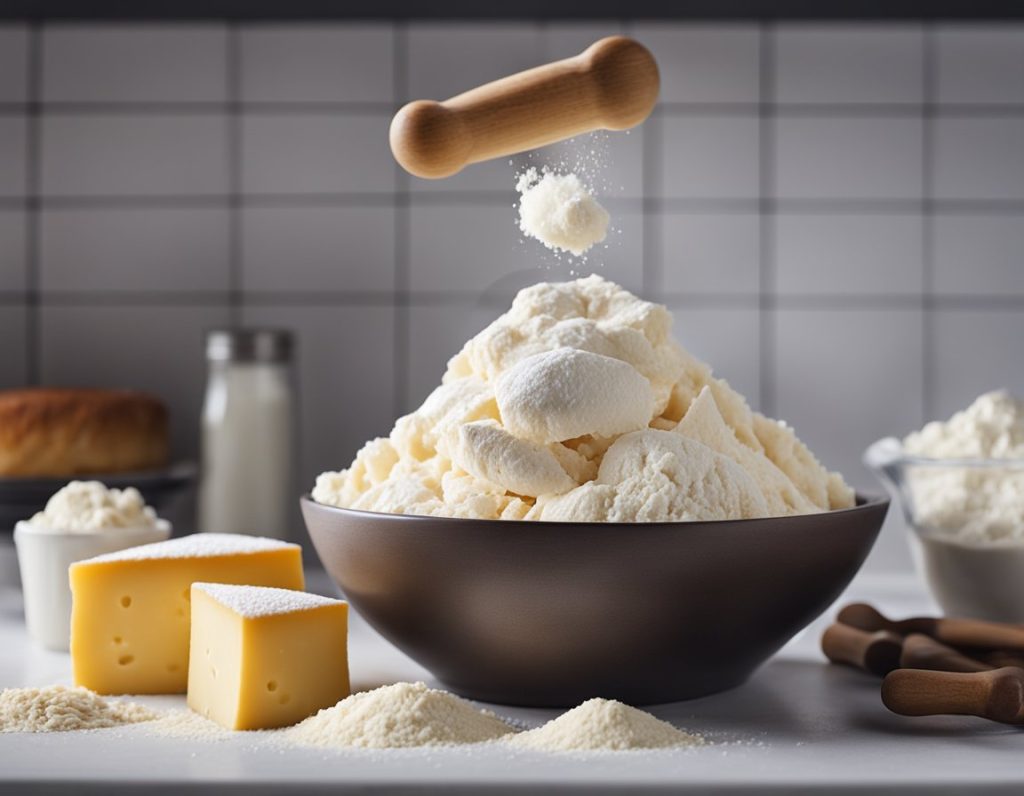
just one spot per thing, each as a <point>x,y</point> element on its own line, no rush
<point>604,725</point>
<point>559,211</point>
<point>398,716</point>
<point>59,709</point>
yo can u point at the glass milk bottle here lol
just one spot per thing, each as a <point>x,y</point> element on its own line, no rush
<point>247,433</point>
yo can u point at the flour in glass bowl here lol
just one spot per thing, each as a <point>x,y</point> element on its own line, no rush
<point>980,504</point>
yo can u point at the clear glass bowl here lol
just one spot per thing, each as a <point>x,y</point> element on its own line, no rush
<point>967,518</point>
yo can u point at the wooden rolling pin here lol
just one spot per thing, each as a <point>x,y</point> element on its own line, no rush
<point>997,694</point>
<point>924,652</point>
<point>954,632</point>
<point>611,85</point>
<point>878,653</point>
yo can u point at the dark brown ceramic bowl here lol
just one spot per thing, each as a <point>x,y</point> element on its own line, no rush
<point>553,613</point>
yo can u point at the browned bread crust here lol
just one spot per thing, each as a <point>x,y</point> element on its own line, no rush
<point>54,432</point>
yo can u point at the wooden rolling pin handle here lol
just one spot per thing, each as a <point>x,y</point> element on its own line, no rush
<point>999,658</point>
<point>997,694</point>
<point>612,85</point>
<point>974,633</point>
<point>923,652</point>
<point>878,653</point>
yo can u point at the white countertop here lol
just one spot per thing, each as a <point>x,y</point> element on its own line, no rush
<point>798,725</point>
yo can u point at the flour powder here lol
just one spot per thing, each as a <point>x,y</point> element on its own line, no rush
<point>396,716</point>
<point>604,725</point>
<point>59,709</point>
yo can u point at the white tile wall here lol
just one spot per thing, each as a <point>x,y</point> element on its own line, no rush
<point>13,63</point>
<point>307,249</point>
<point>317,63</point>
<point>143,249</point>
<point>161,154</point>
<point>345,379</point>
<point>848,158</point>
<point>735,356</point>
<point>844,378</point>
<point>12,250</point>
<point>710,253</point>
<point>859,254</point>
<point>835,64</point>
<point>447,58</point>
<point>705,63</point>
<point>468,250</point>
<point>313,153</point>
<point>13,155</point>
<point>14,362</point>
<point>979,158</point>
<point>154,348</point>
<point>133,63</point>
<point>980,64</point>
<point>565,39</point>
<point>191,174</point>
<point>436,334</point>
<point>979,254</point>
<point>710,157</point>
<point>975,351</point>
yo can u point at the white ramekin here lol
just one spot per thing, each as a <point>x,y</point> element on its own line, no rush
<point>44,556</point>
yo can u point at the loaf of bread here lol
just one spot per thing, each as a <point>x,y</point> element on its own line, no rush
<point>47,432</point>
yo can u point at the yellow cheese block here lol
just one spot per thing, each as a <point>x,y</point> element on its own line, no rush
<point>265,658</point>
<point>130,609</point>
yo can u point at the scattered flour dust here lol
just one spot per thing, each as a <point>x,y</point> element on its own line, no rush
<point>559,211</point>
<point>604,725</point>
<point>56,708</point>
<point>398,716</point>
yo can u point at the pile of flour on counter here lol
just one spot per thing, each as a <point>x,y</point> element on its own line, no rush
<point>59,709</point>
<point>399,716</point>
<point>972,504</point>
<point>560,212</point>
<point>604,725</point>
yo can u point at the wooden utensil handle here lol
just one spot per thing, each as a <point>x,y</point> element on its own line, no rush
<point>997,695</point>
<point>955,632</point>
<point>878,653</point>
<point>923,652</point>
<point>612,85</point>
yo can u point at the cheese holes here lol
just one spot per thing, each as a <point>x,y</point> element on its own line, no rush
<point>118,640</point>
<point>272,685</point>
<point>126,660</point>
<point>126,601</point>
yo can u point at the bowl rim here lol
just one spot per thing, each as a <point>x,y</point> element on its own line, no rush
<point>889,451</point>
<point>863,503</point>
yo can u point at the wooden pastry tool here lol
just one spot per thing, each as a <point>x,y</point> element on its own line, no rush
<point>924,652</point>
<point>954,632</point>
<point>997,694</point>
<point>611,85</point>
<point>878,652</point>
<point>998,658</point>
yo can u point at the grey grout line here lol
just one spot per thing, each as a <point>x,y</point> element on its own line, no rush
<point>766,189</point>
<point>234,150</point>
<point>362,107</point>
<point>402,319</point>
<point>389,298</point>
<point>653,262</point>
<point>928,358</point>
<point>33,232</point>
<point>497,198</point>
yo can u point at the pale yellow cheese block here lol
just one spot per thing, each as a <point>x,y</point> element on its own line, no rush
<point>264,658</point>
<point>131,609</point>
